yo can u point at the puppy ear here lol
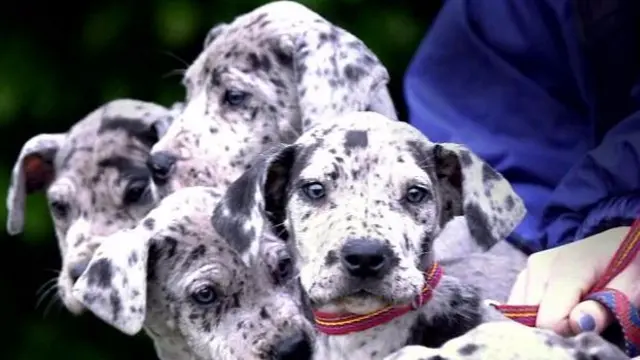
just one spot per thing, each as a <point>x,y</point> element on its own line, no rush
<point>214,32</point>
<point>472,188</point>
<point>335,72</point>
<point>33,171</point>
<point>257,198</point>
<point>114,285</point>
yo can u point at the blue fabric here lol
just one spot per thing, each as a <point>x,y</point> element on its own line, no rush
<point>548,102</point>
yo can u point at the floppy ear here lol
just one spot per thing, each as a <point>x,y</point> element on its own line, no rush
<point>257,198</point>
<point>214,32</point>
<point>335,72</point>
<point>114,285</point>
<point>33,171</point>
<point>472,188</point>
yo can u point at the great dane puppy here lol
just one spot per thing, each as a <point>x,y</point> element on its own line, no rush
<point>506,340</point>
<point>95,178</point>
<point>361,199</point>
<point>260,80</point>
<point>187,283</point>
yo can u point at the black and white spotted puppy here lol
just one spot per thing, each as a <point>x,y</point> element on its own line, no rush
<point>186,282</point>
<point>507,340</point>
<point>95,178</point>
<point>360,200</point>
<point>263,79</point>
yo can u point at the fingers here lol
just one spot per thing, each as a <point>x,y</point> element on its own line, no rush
<point>589,316</point>
<point>558,300</point>
<point>532,281</point>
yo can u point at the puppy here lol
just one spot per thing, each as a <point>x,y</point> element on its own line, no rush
<point>361,199</point>
<point>190,288</point>
<point>95,178</point>
<point>263,79</point>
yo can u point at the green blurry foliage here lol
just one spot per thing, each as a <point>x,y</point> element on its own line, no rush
<point>58,62</point>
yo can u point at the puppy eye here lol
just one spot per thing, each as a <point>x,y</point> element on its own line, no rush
<point>204,295</point>
<point>134,192</point>
<point>284,269</point>
<point>60,209</point>
<point>235,97</point>
<point>416,194</point>
<point>314,190</point>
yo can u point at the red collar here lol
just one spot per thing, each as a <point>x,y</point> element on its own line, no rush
<point>342,324</point>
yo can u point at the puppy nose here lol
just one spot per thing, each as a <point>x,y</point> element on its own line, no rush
<point>77,269</point>
<point>366,258</point>
<point>296,347</point>
<point>161,165</point>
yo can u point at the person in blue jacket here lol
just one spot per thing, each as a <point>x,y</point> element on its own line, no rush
<point>548,92</point>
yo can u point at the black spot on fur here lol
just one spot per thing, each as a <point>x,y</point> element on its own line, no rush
<point>196,253</point>
<point>331,258</point>
<point>100,273</point>
<point>285,59</point>
<point>264,314</point>
<point>465,159</point>
<point>356,139</point>
<point>133,127</point>
<point>149,223</point>
<point>489,174</point>
<point>133,258</point>
<point>116,305</point>
<point>468,349</point>
<point>478,224</point>
<point>171,245</point>
<point>509,202</point>
<point>447,166</point>
<point>354,72</point>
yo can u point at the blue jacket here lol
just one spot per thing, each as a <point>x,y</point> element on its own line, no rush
<point>546,91</point>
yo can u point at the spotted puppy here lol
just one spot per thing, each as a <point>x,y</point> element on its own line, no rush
<point>263,79</point>
<point>187,284</point>
<point>506,340</point>
<point>95,178</point>
<point>361,199</point>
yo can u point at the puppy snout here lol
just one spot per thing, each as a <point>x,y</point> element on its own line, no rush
<point>76,270</point>
<point>296,347</point>
<point>161,164</point>
<point>366,258</point>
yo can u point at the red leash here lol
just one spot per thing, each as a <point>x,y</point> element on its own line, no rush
<point>625,313</point>
<point>342,324</point>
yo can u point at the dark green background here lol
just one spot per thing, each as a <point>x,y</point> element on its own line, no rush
<point>60,60</point>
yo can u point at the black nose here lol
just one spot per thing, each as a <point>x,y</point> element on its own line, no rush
<point>161,165</point>
<point>366,258</point>
<point>77,269</point>
<point>296,347</point>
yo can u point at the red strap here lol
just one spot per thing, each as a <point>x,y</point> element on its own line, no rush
<point>342,324</point>
<point>625,313</point>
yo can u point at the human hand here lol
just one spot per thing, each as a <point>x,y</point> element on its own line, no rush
<point>557,279</point>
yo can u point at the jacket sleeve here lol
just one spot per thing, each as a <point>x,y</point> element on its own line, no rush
<point>601,191</point>
<point>505,78</point>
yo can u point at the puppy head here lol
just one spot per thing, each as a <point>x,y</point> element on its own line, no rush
<point>190,288</point>
<point>263,79</point>
<point>94,177</point>
<point>361,199</point>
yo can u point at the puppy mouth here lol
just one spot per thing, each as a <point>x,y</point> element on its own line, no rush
<point>364,295</point>
<point>381,293</point>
